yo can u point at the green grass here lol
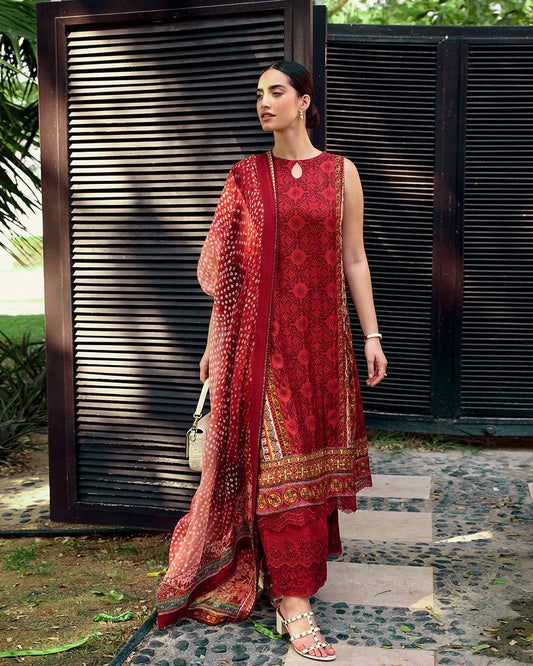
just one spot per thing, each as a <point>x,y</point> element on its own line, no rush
<point>400,441</point>
<point>21,559</point>
<point>126,548</point>
<point>15,326</point>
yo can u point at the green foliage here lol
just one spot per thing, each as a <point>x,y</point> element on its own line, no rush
<point>431,12</point>
<point>15,326</point>
<point>22,392</point>
<point>29,250</point>
<point>126,548</point>
<point>19,179</point>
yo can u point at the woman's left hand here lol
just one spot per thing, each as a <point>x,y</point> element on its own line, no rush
<point>375,360</point>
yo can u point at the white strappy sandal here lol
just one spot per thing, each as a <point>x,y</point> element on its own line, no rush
<point>282,628</point>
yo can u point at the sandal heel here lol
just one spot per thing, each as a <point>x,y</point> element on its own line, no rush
<point>281,627</point>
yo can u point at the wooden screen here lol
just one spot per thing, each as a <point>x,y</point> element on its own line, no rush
<point>145,106</point>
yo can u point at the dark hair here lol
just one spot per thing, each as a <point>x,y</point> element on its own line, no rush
<point>302,82</point>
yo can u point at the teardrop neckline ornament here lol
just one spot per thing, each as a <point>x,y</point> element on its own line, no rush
<point>297,170</point>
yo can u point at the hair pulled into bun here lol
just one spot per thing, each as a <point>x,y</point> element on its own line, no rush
<point>302,82</point>
<point>312,117</point>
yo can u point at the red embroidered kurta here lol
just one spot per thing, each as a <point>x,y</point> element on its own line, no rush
<point>314,454</point>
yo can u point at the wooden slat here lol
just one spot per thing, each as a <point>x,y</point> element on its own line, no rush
<point>381,114</point>
<point>497,341</point>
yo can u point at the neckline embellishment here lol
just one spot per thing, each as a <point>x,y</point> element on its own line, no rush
<point>296,170</point>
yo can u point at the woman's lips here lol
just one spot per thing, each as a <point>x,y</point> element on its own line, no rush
<point>267,116</point>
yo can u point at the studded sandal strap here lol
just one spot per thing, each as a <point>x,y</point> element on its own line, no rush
<point>307,614</point>
<point>314,647</point>
<point>314,630</point>
<point>304,633</point>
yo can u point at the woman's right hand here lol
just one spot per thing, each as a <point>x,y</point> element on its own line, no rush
<point>204,366</point>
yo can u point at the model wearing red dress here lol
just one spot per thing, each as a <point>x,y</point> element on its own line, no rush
<point>286,445</point>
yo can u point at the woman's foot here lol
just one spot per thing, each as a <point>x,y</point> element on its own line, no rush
<point>292,606</point>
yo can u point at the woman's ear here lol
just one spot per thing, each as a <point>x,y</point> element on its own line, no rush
<point>305,100</point>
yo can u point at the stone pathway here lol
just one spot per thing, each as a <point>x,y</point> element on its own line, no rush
<point>433,564</point>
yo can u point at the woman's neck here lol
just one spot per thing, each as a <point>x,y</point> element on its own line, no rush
<point>294,145</point>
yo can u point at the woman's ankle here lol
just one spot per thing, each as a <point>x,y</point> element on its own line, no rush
<point>295,603</point>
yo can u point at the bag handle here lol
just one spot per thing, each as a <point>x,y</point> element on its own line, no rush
<point>201,400</point>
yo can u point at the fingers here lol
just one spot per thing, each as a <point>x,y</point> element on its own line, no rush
<point>204,371</point>
<point>377,367</point>
<point>370,368</point>
<point>380,374</point>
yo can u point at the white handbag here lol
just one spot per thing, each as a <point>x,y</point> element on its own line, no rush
<point>197,433</point>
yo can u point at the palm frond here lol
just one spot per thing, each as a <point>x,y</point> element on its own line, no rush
<point>19,180</point>
<point>17,18</point>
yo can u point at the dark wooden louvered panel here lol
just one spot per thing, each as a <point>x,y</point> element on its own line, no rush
<point>497,334</point>
<point>381,114</point>
<point>151,116</point>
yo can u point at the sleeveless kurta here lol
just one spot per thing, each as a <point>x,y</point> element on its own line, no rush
<point>313,450</point>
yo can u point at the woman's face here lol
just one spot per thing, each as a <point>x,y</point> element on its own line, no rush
<point>278,104</point>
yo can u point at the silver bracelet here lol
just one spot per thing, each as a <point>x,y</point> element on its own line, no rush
<point>373,335</point>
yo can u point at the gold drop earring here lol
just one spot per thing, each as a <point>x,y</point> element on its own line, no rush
<point>301,114</point>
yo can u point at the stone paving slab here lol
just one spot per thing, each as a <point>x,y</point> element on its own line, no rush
<point>482,515</point>
<point>397,485</point>
<point>347,655</point>
<point>387,526</point>
<point>379,585</point>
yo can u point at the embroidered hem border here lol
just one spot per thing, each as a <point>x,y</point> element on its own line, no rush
<point>312,478</point>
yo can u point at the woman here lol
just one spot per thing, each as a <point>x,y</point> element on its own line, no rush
<point>286,446</point>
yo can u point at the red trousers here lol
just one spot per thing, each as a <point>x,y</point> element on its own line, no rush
<point>295,556</point>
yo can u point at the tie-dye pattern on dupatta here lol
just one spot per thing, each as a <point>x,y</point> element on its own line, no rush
<point>212,572</point>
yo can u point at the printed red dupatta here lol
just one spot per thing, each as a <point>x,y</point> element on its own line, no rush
<point>212,572</point>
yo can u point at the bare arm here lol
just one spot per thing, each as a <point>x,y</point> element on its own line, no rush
<point>204,363</point>
<point>358,273</point>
